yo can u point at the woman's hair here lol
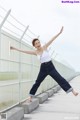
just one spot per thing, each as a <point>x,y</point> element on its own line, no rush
<point>34,40</point>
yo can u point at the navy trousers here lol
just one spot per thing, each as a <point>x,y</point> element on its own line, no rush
<point>49,69</point>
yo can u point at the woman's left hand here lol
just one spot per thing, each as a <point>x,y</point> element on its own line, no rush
<point>61,30</point>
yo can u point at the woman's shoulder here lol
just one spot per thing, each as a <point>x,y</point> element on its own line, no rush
<point>44,47</point>
<point>39,52</point>
<point>35,52</point>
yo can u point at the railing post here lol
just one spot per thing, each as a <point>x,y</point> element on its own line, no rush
<point>55,55</point>
<point>0,50</point>
<point>20,73</point>
<point>2,23</point>
<point>24,33</point>
<point>52,53</point>
<point>5,18</point>
<point>38,36</point>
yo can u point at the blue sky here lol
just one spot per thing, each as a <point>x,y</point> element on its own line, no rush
<point>45,18</point>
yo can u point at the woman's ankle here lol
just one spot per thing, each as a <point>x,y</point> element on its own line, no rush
<point>75,93</point>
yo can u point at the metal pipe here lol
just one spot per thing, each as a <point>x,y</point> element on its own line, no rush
<point>20,73</point>
<point>15,83</point>
<point>5,18</point>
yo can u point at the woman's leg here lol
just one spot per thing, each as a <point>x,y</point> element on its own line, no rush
<point>40,78</point>
<point>61,81</point>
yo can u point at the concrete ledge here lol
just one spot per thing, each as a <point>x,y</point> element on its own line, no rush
<point>25,119</point>
<point>16,113</point>
<point>42,97</point>
<point>58,88</point>
<point>55,89</point>
<point>50,92</point>
<point>30,106</point>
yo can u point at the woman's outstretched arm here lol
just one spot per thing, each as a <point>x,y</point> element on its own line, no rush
<point>24,51</point>
<point>48,43</point>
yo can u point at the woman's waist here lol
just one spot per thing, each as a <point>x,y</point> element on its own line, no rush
<point>45,60</point>
<point>47,66</point>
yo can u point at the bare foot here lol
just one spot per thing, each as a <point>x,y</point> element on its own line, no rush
<point>29,99</point>
<point>75,93</point>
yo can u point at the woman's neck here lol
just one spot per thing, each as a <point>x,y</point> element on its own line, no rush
<point>40,49</point>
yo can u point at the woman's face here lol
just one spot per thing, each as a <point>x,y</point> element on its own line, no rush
<point>37,44</point>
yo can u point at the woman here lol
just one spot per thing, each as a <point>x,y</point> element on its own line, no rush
<point>47,67</point>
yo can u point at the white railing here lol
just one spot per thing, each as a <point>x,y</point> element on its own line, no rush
<point>18,71</point>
